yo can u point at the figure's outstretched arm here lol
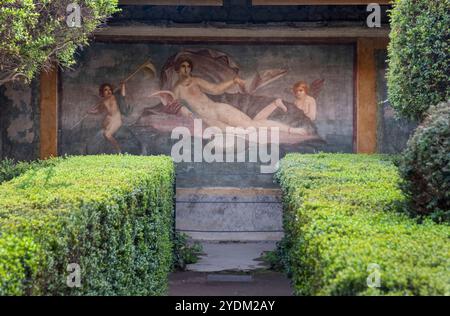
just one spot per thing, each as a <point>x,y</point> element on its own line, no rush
<point>217,89</point>
<point>312,109</point>
<point>268,110</point>
<point>96,109</point>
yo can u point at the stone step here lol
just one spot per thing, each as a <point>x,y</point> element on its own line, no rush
<point>243,175</point>
<point>232,256</point>
<point>241,180</point>
<point>230,214</point>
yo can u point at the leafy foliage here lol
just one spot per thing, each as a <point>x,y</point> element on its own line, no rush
<point>10,169</point>
<point>111,215</point>
<point>274,259</point>
<point>34,34</point>
<point>425,166</point>
<point>418,56</point>
<point>185,252</point>
<point>341,216</point>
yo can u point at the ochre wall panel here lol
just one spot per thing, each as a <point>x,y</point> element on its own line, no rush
<point>49,114</point>
<point>366,98</point>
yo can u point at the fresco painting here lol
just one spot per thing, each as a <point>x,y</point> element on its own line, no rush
<point>128,98</point>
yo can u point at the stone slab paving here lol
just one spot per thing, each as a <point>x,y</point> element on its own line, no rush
<point>230,269</point>
<point>232,256</point>
<point>262,283</point>
<point>235,227</point>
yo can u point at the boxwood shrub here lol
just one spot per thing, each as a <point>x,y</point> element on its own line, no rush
<point>425,166</point>
<point>10,168</point>
<point>418,56</point>
<point>342,229</point>
<point>110,215</point>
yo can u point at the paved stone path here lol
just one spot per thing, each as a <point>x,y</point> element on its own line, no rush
<point>235,227</point>
<point>232,256</point>
<point>262,283</point>
<point>230,269</point>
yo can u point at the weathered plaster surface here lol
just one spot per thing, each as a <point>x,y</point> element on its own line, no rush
<point>19,126</point>
<point>21,129</point>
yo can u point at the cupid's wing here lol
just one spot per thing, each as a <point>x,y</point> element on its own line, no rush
<point>262,79</point>
<point>316,87</point>
<point>166,97</point>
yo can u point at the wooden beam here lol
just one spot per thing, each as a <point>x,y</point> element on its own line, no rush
<point>49,114</point>
<point>144,32</point>
<point>319,2</point>
<point>366,96</point>
<point>173,2</point>
<point>254,2</point>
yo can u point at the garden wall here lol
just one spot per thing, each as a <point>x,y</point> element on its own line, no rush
<point>19,113</point>
<point>332,131</point>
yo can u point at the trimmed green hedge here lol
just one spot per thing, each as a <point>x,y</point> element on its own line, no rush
<point>340,217</point>
<point>425,167</point>
<point>9,169</point>
<point>418,53</point>
<point>111,215</point>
